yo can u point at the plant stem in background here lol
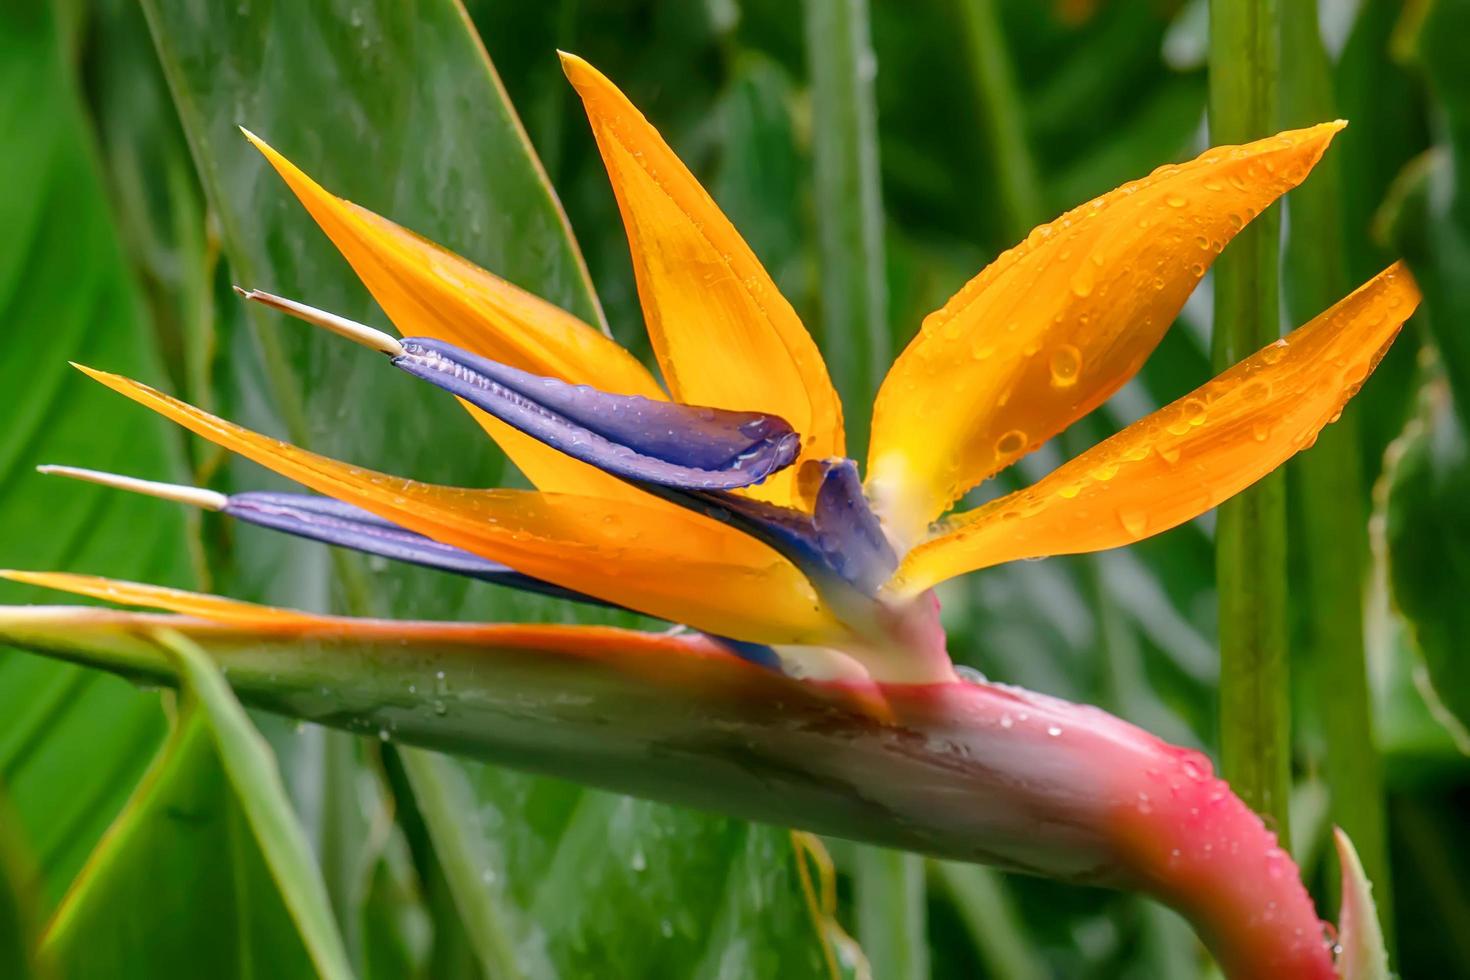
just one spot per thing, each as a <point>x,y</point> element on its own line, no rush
<point>989,64</point>
<point>990,916</point>
<point>1250,537</point>
<point>854,321</point>
<point>1332,531</point>
<point>891,900</point>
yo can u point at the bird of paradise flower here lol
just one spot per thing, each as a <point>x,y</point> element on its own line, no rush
<point>812,686</point>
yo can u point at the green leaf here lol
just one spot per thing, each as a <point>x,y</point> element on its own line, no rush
<point>252,771</point>
<point>1427,530</point>
<point>1427,523</point>
<point>981,898</point>
<point>892,911</point>
<point>73,742</point>
<point>17,908</point>
<point>407,117</point>
<point>179,886</point>
<point>1363,956</point>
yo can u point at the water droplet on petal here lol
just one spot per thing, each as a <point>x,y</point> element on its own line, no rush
<point>1083,280</point>
<point>1135,522</point>
<point>1176,200</point>
<point>1010,443</point>
<point>1066,364</point>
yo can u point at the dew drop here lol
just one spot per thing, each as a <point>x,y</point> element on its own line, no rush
<point>1176,200</point>
<point>1135,522</point>
<point>1260,430</point>
<point>1054,731</point>
<point>967,673</point>
<point>1006,721</point>
<point>1066,365</point>
<point>1083,280</point>
<point>1010,443</point>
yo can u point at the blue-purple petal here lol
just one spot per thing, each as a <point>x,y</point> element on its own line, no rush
<point>333,522</point>
<point>660,443</point>
<point>840,547</point>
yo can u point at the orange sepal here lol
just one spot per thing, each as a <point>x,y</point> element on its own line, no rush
<point>660,560</point>
<point>1052,327</point>
<point>723,333</point>
<point>1187,457</point>
<point>428,291</point>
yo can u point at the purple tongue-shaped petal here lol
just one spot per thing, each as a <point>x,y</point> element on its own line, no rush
<point>839,546</point>
<point>661,443</point>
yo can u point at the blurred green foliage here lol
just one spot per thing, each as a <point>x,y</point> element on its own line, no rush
<point>130,204</point>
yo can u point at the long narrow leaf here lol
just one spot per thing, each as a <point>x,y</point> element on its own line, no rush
<point>253,773</point>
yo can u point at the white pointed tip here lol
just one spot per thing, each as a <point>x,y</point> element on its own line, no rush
<point>193,496</point>
<point>359,333</point>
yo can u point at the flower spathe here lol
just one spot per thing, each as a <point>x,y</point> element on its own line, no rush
<point>727,504</point>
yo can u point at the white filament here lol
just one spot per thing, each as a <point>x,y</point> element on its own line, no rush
<point>359,333</point>
<point>193,496</point>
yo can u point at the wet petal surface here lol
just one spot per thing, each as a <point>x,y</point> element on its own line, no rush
<point>429,291</point>
<point>1054,326</point>
<point>1187,457</point>
<point>629,436</point>
<point>656,559</point>
<point>723,334</point>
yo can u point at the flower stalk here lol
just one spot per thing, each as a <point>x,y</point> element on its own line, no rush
<point>1333,526</point>
<point>1068,791</point>
<point>1250,536</point>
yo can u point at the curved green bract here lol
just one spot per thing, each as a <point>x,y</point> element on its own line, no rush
<point>181,844</point>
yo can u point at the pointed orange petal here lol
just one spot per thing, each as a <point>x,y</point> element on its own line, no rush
<point>274,623</point>
<point>723,334</point>
<point>1054,326</point>
<point>1187,457</point>
<point>204,606</point>
<point>428,291</point>
<point>660,560</point>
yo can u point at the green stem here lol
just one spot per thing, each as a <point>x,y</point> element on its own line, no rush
<point>891,899</point>
<point>854,323</point>
<point>855,339</point>
<point>1000,108</point>
<point>981,898</point>
<point>1333,527</point>
<point>1250,537</point>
